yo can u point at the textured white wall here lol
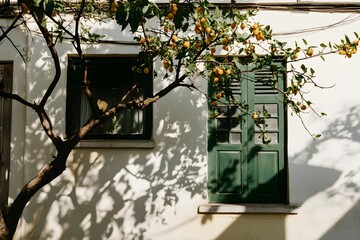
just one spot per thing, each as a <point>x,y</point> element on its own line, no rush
<point>154,194</point>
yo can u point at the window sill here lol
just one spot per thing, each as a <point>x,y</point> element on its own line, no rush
<point>116,144</point>
<point>247,209</point>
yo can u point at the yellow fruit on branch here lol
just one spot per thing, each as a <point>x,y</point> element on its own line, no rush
<point>303,107</point>
<point>225,41</point>
<point>216,79</point>
<point>170,16</point>
<point>255,115</point>
<point>310,52</point>
<point>186,44</point>
<point>218,95</point>
<point>114,6</point>
<point>174,38</point>
<point>228,71</point>
<point>146,70</point>
<point>142,40</point>
<point>203,20</point>
<point>356,42</point>
<point>208,30</point>
<point>342,52</point>
<point>242,26</point>
<point>214,103</point>
<point>233,25</point>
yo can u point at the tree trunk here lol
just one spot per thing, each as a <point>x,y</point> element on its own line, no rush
<point>4,231</point>
<point>9,220</point>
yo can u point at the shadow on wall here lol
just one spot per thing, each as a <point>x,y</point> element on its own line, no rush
<point>315,180</point>
<point>117,194</point>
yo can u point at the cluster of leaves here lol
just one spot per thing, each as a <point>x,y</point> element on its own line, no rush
<point>190,37</point>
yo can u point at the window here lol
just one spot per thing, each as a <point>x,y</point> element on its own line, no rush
<point>242,168</point>
<point>5,128</point>
<point>111,77</point>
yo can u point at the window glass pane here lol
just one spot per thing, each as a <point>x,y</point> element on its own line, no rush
<point>222,137</point>
<point>271,136</point>
<point>111,78</point>
<point>235,137</point>
<point>272,109</point>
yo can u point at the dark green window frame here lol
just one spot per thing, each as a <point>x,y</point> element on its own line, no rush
<point>242,169</point>
<point>111,76</point>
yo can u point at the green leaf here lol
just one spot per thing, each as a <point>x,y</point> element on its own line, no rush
<point>347,39</point>
<point>191,67</point>
<point>304,41</point>
<point>323,45</point>
<point>356,34</point>
<point>49,7</point>
<point>217,13</point>
<point>303,67</point>
<point>322,57</point>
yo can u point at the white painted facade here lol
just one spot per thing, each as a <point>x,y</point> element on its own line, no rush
<point>154,194</point>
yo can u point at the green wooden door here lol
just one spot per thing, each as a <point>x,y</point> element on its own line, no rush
<point>242,168</point>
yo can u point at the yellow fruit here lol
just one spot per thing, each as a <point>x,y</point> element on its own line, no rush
<point>254,115</point>
<point>199,10</point>
<point>142,40</point>
<point>171,69</point>
<point>228,71</point>
<point>174,7</point>
<point>174,38</point>
<point>219,71</point>
<point>296,55</point>
<point>198,25</point>
<point>310,52</point>
<point>166,64</point>
<point>114,6</point>
<point>353,51</point>
<point>166,29</point>
<point>233,25</point>
<point>214,103</point>
<point>356,42</point>
<point>349,55</point>
<point>255,26</point>
<point>218,95</point>
<point>225,41</point>
<point>197,30</point>
<point>225,47</point>
<point>342,52</point>
<point>262,36</point>
<point>297,49</point>
<point>216,79</point>
<point>346,46</point>
<point>256,31</point>
<point>186,44</point>
<point>208,30</point>
<point>242,26</point>
<point>203,20</point>
<point>170,16</point>
<point>303,107</point>
<point>146,70</point>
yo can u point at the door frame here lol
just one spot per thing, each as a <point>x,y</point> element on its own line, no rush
<point>5,133</point>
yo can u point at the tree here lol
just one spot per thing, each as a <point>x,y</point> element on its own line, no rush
<point>198,39</point>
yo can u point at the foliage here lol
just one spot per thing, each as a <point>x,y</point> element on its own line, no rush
<point>197,38</point>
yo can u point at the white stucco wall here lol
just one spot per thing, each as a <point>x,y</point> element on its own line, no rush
<point>154,193</point>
